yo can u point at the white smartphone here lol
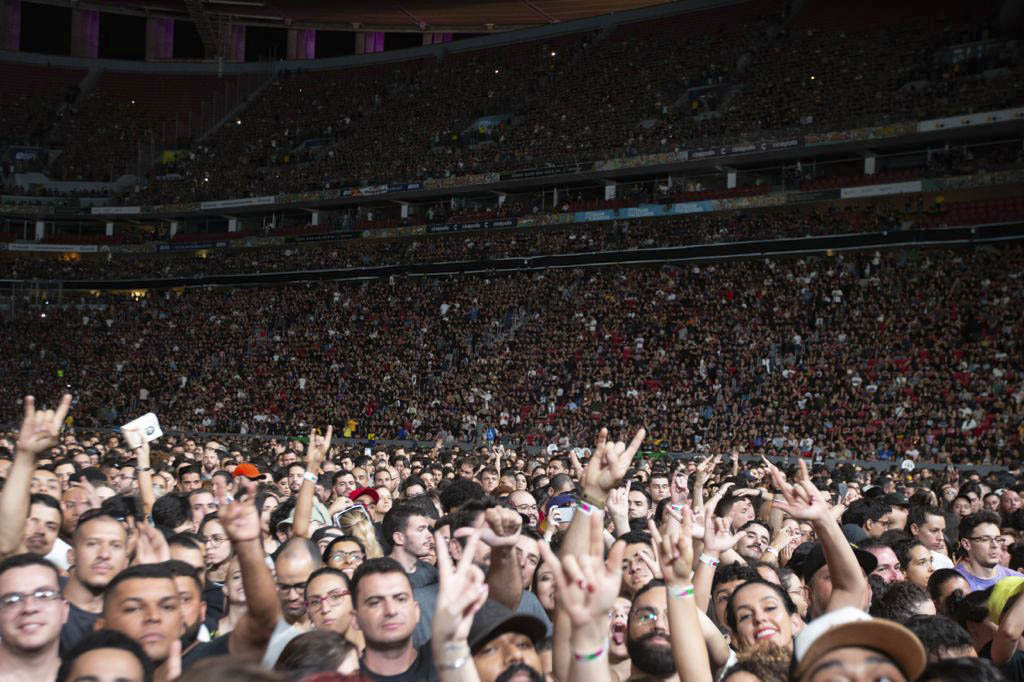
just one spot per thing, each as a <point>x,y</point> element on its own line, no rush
<point>147,426</point>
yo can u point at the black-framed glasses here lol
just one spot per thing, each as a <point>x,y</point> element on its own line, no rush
<point>285,587</point>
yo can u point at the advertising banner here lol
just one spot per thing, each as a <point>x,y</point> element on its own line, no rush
<point>476,225</point>
<point>966,120</point>
<point>323,237</point>
<point>116,210</point>
<point>238,203</point>
<point>880,190</point>
<point>58,248</point>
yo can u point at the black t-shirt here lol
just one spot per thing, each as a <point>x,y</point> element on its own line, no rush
<point>218,646</point>
<point>424,574</point>
<point>213,595</point>
<point>80,623</point>
<point>422,669</point>
<point>1013,671</point>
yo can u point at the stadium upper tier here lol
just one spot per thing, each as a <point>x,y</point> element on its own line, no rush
<point>739,72</point>
<point>860,355</point>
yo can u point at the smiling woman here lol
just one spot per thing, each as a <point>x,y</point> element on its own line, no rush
<point>759,611</point>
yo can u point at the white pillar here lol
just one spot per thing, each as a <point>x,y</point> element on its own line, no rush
<point>110,229</point>
<point>174,227</point>
<point>404,205</point>
<point>730,179</point>
<point>40,230</point>
<point>232,224</point>
<point>501,198</point>
<point>609,189</point>
<point>316,218</point>
<point>870,164</point>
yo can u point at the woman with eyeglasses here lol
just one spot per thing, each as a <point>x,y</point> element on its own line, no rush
<point>329,604</point>
<point>345,554</point>
<point>218,549</point>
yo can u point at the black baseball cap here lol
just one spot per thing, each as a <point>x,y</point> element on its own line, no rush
<point>494,619</point>
<point>815,559</point>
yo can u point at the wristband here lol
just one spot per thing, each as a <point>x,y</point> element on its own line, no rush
<point>310,476</point>
<point>591,501</point>
<point>771,550</point>
<point>591,657</point>
<point>709,560</point>
<point>681,591</point>
<point>585,507</point>
<point>454,665</point>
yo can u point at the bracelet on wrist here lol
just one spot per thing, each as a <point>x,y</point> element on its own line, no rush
<point>708,560</point>
<point>592,656</point>
<point>310,476</point>
<point>452,665</point>
<point>586,507</point>
<point>590,500</point>
<point>771,550</point>
<point>683,591</point>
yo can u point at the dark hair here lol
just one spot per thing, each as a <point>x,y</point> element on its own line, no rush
<point>26,560</point>
<point>939,578</point>
<point>372,567</point>
<point>637,537</point>
<point>209,518</point>
<point>957,669</point>
<point>186,540</point>
<point>425,504</point>
<point>189,469</point>
<point>138,572</point>
<point>327,570</point>
<point>171,510</point>
<point>969,608</point>
<point>459,491</point>
<point>730,609</point>
<point>729,573</point>
<point>281,513</point>
<point>313,652</point>
<point>328,550</point>
<point>106,639</point>
<point>864,510</point>
<point>396,520</point>
<point>649,585</point>
<point>93,515</point>
<point>938,634</point>
<point>226,475</point>
<point>123,507</point>
<point>198,491</point>
<point>756,522</point>
<point>902,550</point>
<point>47,501</point>
<point>183,569</point>
<point>972,521</point>
<point>900,602</point>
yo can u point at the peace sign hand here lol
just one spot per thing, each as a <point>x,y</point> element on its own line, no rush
<point>40,430</point>
<point>463,590</point>
<point>803,500</point>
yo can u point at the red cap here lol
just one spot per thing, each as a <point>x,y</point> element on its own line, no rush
<point>355,494</point>
<point>247,470</point>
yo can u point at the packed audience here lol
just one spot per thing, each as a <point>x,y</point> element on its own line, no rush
<point>613,236</point>
<point>569,99</point>
<point>867,355</point>
<point>139,557</point>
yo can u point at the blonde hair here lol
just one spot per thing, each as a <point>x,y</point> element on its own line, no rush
<point>358,525</point>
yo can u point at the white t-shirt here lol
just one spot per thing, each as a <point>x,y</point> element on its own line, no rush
<point>940,560</point>
<point>58,556</point>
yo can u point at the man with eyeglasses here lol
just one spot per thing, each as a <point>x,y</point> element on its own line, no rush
<point>295,562</point>
<point>525,504</point>
<point>980,539</point>
<point>32,613</point>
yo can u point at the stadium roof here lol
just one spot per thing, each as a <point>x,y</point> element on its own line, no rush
<point>461,16</point>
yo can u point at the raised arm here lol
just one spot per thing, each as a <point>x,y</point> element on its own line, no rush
<point>140,447</point>
<point>315,453</point>
<point>689,650</point>
<point>802,500</point>
<point>585,588</point>
<point>39,432</point>
<point>251,635</point>
<point>461,592</point>
<point>501,532</point>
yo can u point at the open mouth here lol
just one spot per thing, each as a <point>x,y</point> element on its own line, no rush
<point>618,633</point>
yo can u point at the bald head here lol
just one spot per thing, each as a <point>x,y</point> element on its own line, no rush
<point>294,562</point>
<point>525,504</point>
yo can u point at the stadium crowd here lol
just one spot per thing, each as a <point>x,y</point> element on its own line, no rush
<point>859,355</point>
<point>568,99</point>
<point>140,557</point>
<point>622,235</point>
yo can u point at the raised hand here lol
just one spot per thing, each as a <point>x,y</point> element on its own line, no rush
<point>586,586</point>
<point>608,465</point>
<point>316,453</point>
<point>151,546</point>
<point>676,549</point>
<point>241,521</point>
<point>617,502</point>
<point>717,536</point>
<point>40,430</point>
<point>462,591</point>
<point>802,500</point>
<point>501,528</point>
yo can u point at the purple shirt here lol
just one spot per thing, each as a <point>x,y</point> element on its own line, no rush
<point>977,583</point>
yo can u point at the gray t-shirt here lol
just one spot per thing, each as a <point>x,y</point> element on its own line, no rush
<point>426,597</point>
